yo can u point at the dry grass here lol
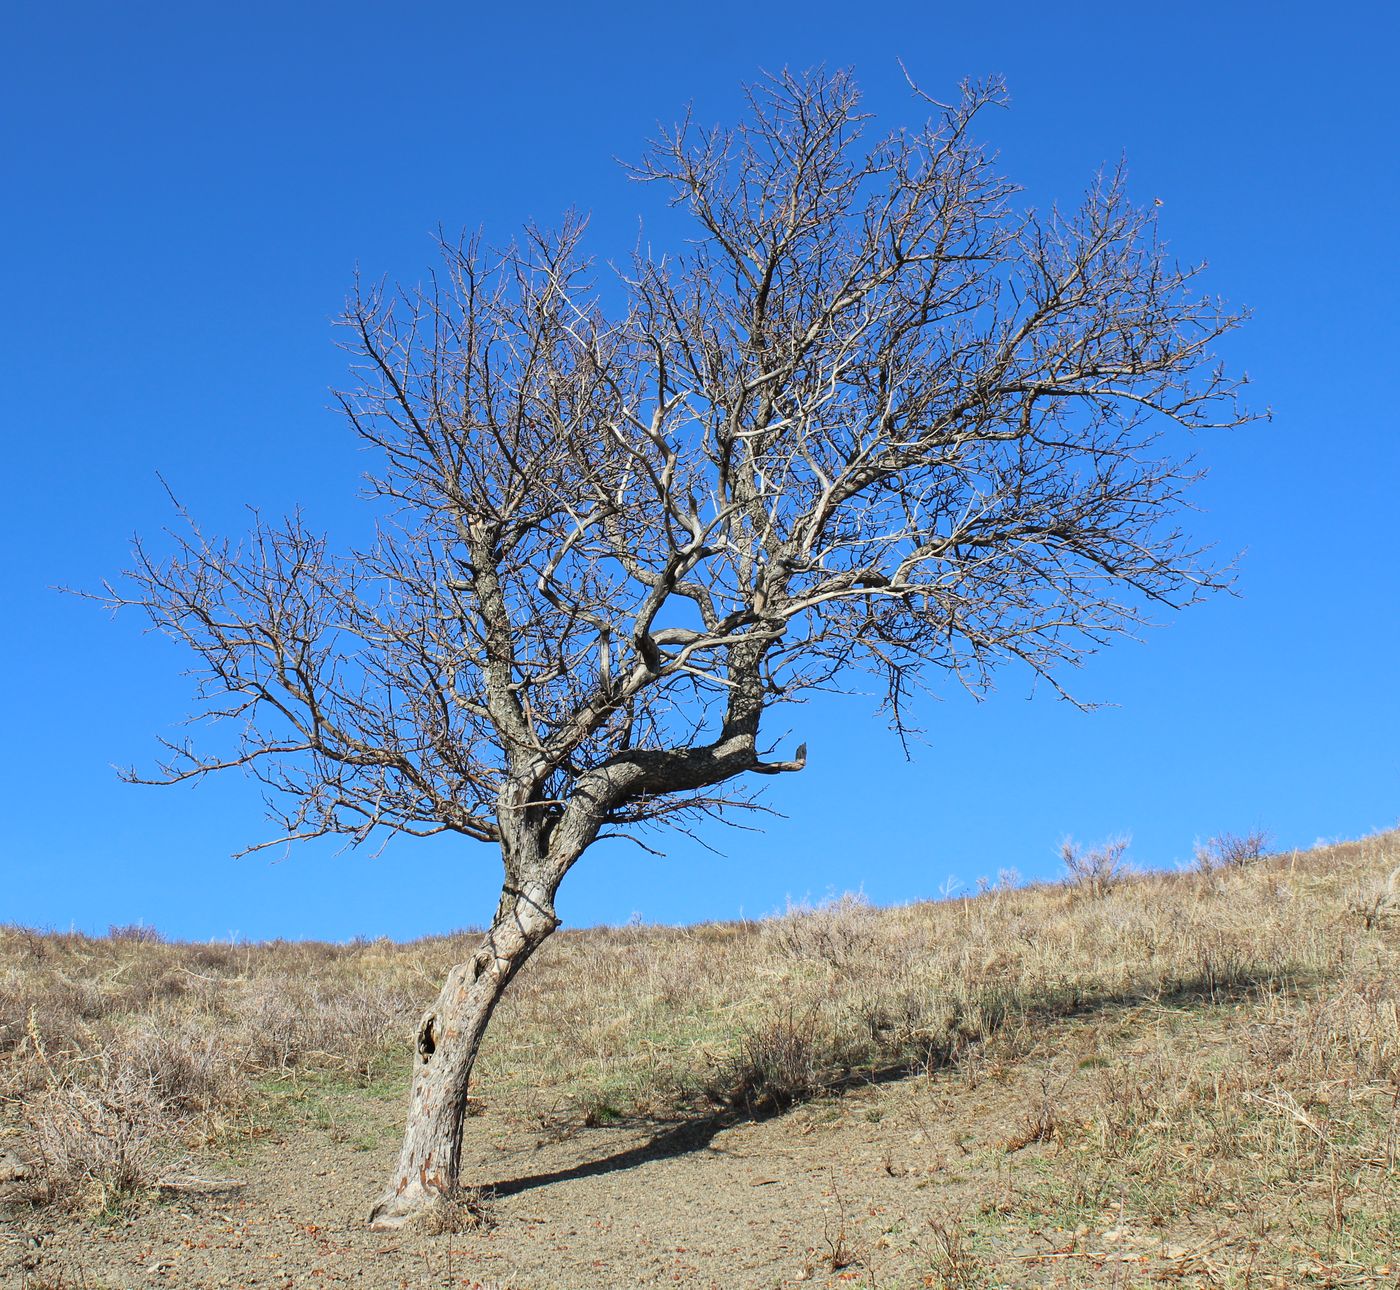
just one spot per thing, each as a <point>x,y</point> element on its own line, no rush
<point>120,1054</point>
<point>469,1209</point>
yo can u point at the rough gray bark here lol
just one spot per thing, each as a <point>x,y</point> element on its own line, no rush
<point>448,1038</point>
<point>872,419</point>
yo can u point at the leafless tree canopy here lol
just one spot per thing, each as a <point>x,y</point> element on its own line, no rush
<point>876,418</point>
<point>873,418</point>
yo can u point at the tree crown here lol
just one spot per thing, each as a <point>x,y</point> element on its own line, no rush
<point>874,418</point>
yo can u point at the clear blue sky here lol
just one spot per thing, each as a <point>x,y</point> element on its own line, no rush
<point>189,189</point>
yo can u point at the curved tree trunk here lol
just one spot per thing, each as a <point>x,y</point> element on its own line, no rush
<point>448,1038</point>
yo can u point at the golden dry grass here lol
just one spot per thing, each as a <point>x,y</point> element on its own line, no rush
<point>1198,1041</point>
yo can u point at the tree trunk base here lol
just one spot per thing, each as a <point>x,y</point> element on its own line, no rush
<point>396,1209</point>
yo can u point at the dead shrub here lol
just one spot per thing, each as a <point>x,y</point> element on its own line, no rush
<point>138,932</point>
<point>956,1265</point>
<point>1232,850</point>
<point>271,1026</point>
<point>57,1004</point>
<point>895,1018</point>
<point>1354,1030</point>
<point>1372,899</point>
<point>1226,965</point>
<point>190,1068</point>
<point>14,1011</point>
<point>840,1254</point>
<point>1040,1117</point>
<point>168,985</point>
<point>1098,869</point>
<point>29,942</point>
<point>840,932</point>
<point>63,1002</point>
<point>96,1143</point>
<point>1131,1095</point>
<point>358,1028</point>
<point>215,956</point>
<point>779,1062</point>
<point>468,1209</point>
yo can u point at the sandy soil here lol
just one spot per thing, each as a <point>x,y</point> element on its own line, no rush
<point>752,1205</point>
<point>875,1188</point>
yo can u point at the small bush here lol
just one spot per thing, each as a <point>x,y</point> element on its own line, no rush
<point>779,1062</point>
<point>1096,870</point>
<point>97,1143</point>
<point>840,932</point>
<point>139,932</point>
<point>189,1067</point>
<point>1232,851</point>
<point>1371,899</point>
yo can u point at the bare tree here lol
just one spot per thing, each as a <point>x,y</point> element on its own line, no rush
<point>873,418</point>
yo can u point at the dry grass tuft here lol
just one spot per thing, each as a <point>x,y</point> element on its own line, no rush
<point>840,932</point>
<point>778,1061</point>
<point>469,1209</point>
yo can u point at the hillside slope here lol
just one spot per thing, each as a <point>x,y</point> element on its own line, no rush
<point>1192,1079</point>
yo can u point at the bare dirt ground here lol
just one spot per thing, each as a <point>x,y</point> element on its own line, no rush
<point>963,1178</point>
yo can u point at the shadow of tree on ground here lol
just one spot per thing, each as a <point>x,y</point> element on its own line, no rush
<point>694,1133</point>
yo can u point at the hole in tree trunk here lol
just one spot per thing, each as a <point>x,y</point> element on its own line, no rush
<point>427,1040</point>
